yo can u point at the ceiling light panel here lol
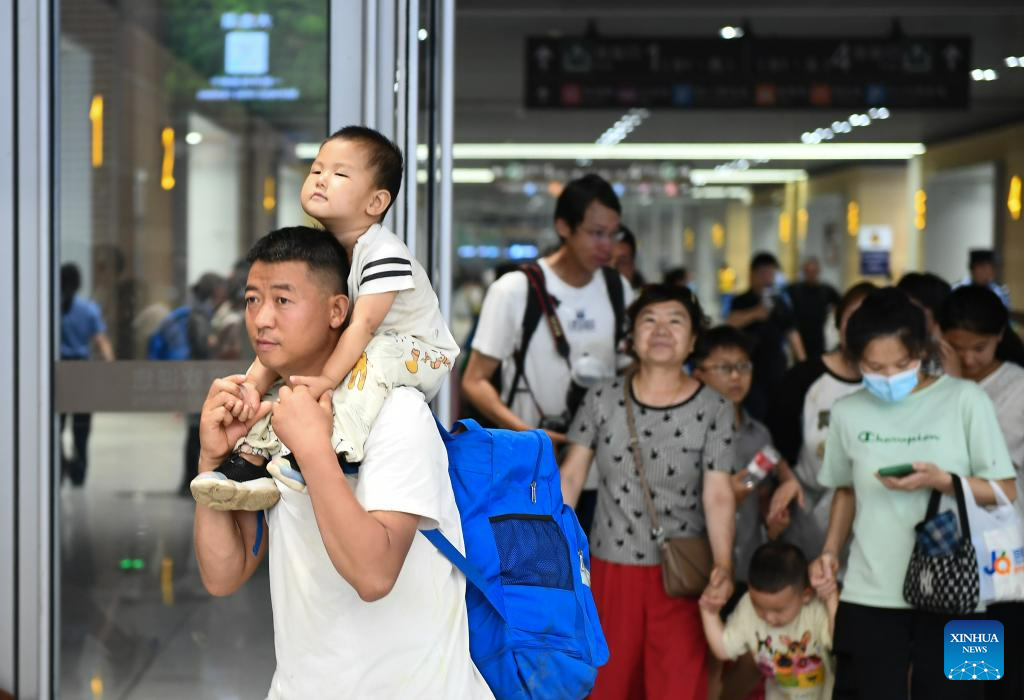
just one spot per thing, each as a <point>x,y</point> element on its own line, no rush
<point>683,151</point>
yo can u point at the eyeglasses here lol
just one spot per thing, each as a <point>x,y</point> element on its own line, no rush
<point>726,369</point>
<point>600,235</point>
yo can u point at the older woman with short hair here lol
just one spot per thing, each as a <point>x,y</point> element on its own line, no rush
<point>685,434</point>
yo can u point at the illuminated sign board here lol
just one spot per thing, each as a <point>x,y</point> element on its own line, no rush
<point>246,75</point>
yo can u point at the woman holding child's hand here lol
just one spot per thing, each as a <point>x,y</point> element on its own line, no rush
<point>684,433</point>
<point>904,416</point>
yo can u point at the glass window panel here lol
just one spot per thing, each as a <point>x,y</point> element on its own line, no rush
<point>178,128</point>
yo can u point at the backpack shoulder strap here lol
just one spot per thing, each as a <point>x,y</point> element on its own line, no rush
<point>473,575</point>
<point>537,299</point>
<point>617,296</point>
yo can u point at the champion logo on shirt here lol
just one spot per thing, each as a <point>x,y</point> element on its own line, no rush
<point>869,436</point>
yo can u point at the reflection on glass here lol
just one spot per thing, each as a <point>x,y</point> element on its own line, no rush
<point>178,127</point>
<point>179,122</point>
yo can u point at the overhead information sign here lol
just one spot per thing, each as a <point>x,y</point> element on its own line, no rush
<point>749,73</point>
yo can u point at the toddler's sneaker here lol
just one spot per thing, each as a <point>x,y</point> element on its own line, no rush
<point>235,485</point>
<point>285,469</point>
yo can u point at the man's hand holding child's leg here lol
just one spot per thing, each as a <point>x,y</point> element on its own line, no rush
<point>236,484</point>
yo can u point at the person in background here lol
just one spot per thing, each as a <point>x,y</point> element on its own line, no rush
<point>800,418</point>
<point>677,276</point>
<point>945,428</point>
<point>983,270</point>
<point>812,299</point>
<point>587,222</point>
<point>119,296</point>
<point>722,361</point>
<point>767,317</point>
<point>929,291</point>
<point>686,440</point>
<point>975,323</point>
<point>81,330</point>
<point>208,293</point>
<point>624,257</point>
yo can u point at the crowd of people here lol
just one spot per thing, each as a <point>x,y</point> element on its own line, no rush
<point>742,540</point>
<point>807,566</point>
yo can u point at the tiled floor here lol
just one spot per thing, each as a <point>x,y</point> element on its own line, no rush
<point>151,633</point>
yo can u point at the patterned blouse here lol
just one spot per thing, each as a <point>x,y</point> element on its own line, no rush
<point>678,444</point>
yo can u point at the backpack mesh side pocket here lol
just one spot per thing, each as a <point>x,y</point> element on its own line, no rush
<point>532,551</point>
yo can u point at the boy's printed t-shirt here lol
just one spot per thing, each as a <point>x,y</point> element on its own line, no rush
<point>795,659</point>
<point>817,414</point>
<point>414,642</point>
<point>381,262</point>
<point>1005,387</point>
<point>950,423</point>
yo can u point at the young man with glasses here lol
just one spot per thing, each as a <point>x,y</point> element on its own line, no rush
<point>587,222</point>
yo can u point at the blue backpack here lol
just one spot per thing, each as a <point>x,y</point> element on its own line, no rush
<point>533,626</point>
<point>170,340</point>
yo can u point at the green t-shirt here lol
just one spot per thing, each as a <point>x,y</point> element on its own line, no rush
<point>951,423</point>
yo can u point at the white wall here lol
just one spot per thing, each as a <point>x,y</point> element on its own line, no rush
<point>961,216</point>
<point>826,236</point>
<point>764,229</point>
<point>213,200</point>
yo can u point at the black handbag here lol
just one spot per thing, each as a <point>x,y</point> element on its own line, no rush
<point>945,583</point>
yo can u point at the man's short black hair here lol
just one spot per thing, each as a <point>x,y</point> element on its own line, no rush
<point>721,337</point>
<point>581,193</point>
<point>385,158</point>
<point>318,249</point>
<point>763,259</point>
<point>776,566</point>
<point>981,256</point>
<point>678,276</point>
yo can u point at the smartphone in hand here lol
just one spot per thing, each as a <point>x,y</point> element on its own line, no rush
<point>897,470</point>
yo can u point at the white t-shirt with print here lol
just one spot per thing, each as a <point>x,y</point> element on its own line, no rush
<point>587,319</point>
<point>414,642</point>
<point>381,262</point>
<point>795,659</point>
<point>1005,387</point>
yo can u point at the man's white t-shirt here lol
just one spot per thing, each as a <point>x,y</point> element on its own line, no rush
<point>588,322</point>
<point>414,642</point>
<point>381,262</point>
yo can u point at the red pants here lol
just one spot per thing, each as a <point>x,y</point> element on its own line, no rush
<point>657,643</point>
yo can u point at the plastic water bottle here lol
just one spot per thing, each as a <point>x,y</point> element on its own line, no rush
<point>761,465</point>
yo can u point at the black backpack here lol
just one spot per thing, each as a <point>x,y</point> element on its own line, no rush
<point>539,303</point>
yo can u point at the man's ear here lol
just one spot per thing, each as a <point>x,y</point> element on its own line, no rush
<point>563,229</point>
<point>339,306</point>
<point>379,203</point>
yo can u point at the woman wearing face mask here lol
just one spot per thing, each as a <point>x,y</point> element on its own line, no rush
<point>946,428</point>
<point>976,325</point>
